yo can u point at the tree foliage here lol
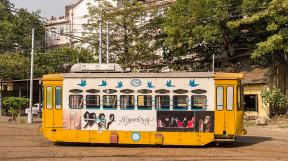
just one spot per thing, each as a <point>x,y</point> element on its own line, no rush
<point>16,27</point>
<point>195,30</point>
<point>17,66</point>
<point>271,16</point>
<point>14,66</point>
<point>60,60</point>
<point>131,41</point>
<point>275,98</point>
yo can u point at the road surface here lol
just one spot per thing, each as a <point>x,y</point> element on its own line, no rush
<point>24,142</point>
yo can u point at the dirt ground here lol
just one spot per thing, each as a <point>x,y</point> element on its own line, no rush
<point>24,142</point>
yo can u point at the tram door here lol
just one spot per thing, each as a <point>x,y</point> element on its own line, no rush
<point>225,107</point>
<point>53,104</point>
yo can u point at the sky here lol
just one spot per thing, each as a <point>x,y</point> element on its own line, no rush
<point>48,8</point>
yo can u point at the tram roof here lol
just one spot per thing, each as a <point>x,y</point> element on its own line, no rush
<point>145,75</point>
<point>141,75</point>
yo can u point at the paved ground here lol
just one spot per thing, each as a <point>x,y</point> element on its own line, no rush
<point>24,142</point>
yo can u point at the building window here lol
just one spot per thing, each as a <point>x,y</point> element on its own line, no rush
<point>93,101</point>
<point>127,102</point>
<point>162,102</point>
<point>144,102</point>
<point>110,102</point>
<point>251,102</point>
<point>198,101</point>
<point>75,101</point>
<point>180,102</point>
<point>58,97</point>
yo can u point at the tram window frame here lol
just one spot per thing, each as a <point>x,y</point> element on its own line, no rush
<point>229,102</point>
<point>58,106</point>
<point>194,107</point>
<point>177,107</point>
<point>114,107</point>
<point>167,107</point>
<point>80,104</point>
<point>50,97</point>
<point>130,105</point>
<point>93,105</point>
<point>217,98</point>
<point>145,107</point>
<point>240,98</point>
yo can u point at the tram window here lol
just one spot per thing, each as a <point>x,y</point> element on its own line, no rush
<point>180,91</point>
<point>75,101</point>
<point>220,98</point>
<point>49,97</point>
<point>58,97</point>
<point>110,102</point>
<point>162,91</point>
<point>93,101</point>
<point>198,101</point>
<point>230,96</point>
<point>127,91</point>
<point>76,91</point>
<point>162,102</point>
<point>144,91</point>
<point>144,102</point>
<point>239,98</point>
<point>110,91</point>
<point>180,102</point>
<point>93,91</point>
<point>127,102</point>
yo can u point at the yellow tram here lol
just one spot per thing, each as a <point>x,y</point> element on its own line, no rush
<point>99,103</point>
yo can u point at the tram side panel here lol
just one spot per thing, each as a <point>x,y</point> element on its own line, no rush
<point>172,126</point>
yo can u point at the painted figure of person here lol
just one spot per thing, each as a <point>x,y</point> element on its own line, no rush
<point>111,120</point>
<point>180,123</point>
<point>167,122</point>
<point>101,121</point>
<point>207,123</point>
<point>174,122</point>
<point>89,119</point>
<point>191,123</point>
<point>201,125</point>
<point>160,123</point>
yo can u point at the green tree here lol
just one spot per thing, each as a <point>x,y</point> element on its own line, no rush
<point>275,98</point>
<point>195,30</point>
<point>14,66</point>
<point>16,26</point>
<point>269,18</point>
<point>60,60</point>
<point>130,40</point>
<point>15,105</point>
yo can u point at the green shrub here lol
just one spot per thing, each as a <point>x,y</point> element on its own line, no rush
<point>15,105</point>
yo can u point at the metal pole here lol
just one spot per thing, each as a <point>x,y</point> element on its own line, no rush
<point>100,42</point>
<point>213,63</point>
<point>107,42</point>
<point>30,115</point>
<point>1,108</point>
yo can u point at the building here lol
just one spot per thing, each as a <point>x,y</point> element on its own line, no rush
<point>254,81</point>
<point>56,30</point>
<point>69,29</point>
<point>19,88</point>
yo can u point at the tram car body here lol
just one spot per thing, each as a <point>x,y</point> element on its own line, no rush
<point>184,108</point>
